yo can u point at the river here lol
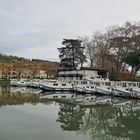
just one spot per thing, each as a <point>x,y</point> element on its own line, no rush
<point>24,116</point>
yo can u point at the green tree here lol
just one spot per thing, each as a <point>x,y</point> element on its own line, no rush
<point>72,55</point>
<point>133,60</point>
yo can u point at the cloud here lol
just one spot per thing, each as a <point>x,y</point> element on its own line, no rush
<point>35,28</point>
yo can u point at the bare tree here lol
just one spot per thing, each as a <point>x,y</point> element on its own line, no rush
<point>90,49</point>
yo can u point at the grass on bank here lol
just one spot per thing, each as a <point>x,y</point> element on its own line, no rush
<point>4,82</point>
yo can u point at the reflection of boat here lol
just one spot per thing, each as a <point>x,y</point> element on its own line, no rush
<point>57,96</point>
<point>94,100</point>
<point>116,102</point>
<point>103,100</point>
<point>25,90</point>
<point>86,98</point>
<point>136,107</point>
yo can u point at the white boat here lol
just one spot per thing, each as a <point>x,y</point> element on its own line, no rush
<point>122,92</point>
<point>35,83</point>
<point>87,89</point>
<point>127,88</point>
<point>19,83</point>
<point>136,92</point>
<point>56,86</point>
<point>105,90</point>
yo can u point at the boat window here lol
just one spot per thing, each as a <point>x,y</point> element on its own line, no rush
<point>87,86</point>
<point>92,87</point>
<point>97,83</point>
<point>134,84</point>
<point>55,97</point>
<point>63,96</point>
<point>91,83</point>
<point>83,82</point>
<point>107,84</point>
<point>87,98</point>
<point>92,78</point>
<point>63,84</point>
<point>92,98</point>
<point>124,85</point>
<point>129,84</point>
<point>55,84</point>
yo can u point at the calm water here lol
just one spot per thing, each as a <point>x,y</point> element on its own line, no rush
<point>25,117</point>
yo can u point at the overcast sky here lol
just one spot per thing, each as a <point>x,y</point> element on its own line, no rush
<point>35,28</point>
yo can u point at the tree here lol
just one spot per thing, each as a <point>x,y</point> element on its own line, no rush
<point>91,49</point>
<point>72,55</point>
<point>98,49</point>
<point>20,67</point>
<point>6,70</point>
<point>124,39</point>
<point>34,67</point>
<point>48,67</point>
<point>133,60</point>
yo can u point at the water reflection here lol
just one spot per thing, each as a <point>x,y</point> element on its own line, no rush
<point>118,121</point>
<point>101,122</point>
<point>8,97</point>
<point>70,117</point>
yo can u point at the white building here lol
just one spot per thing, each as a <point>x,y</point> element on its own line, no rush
<point>83,73</point>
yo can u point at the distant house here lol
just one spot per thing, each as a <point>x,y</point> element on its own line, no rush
<point>125,75</point>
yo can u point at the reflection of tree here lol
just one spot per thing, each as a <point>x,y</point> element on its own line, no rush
<point>17,98</point>
<point>7,97</point>
<point>127,126</point>
<point>70,117</point>
<point>96,122</point>
<point>100,122</point>
<point>108,122</point>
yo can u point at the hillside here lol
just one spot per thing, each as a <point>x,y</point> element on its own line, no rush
<point>11,59</point>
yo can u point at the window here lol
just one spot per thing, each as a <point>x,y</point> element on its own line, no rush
<point>63,84</point>
<point>55,84</point>
<point>63,96</point>
<point>55,97</point>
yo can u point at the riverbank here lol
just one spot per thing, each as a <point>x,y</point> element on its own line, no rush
<point>4,82</point>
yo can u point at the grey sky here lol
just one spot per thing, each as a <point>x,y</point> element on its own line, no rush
<point>35,28</point>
